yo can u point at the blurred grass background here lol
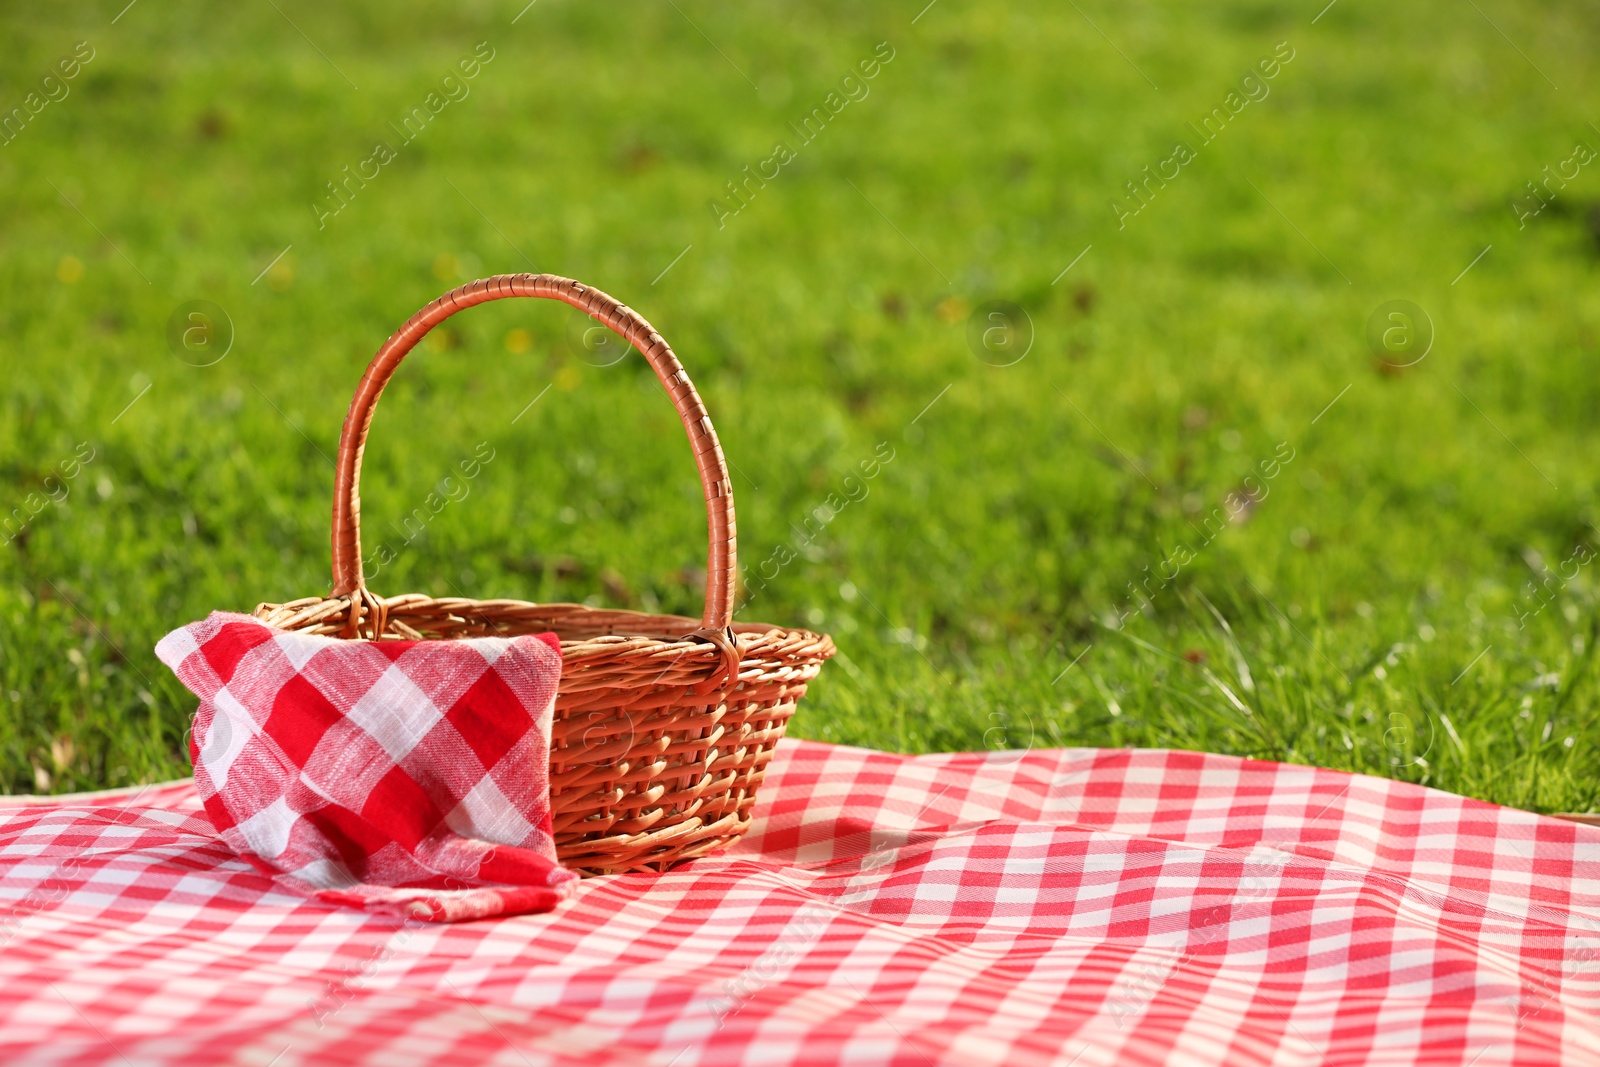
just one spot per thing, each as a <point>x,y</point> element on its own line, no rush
<point>1405,600</point>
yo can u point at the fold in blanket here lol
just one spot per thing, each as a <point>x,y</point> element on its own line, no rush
<point>403,777</point>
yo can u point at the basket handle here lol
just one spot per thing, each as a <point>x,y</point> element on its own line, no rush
<point>348,579</point>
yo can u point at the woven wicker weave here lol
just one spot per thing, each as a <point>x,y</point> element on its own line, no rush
<point>663,725</point>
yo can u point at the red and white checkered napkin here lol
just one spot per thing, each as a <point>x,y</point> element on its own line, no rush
<point>1092,908</point>
<point>405,777</point>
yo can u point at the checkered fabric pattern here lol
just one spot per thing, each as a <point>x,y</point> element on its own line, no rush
<point>1067,907</point>
<point>405,777</point>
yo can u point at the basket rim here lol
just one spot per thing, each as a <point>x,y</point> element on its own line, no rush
<point>657,628</point>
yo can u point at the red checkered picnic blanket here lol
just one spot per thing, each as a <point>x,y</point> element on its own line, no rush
<point>404,777</point>
<point>1087,907</point>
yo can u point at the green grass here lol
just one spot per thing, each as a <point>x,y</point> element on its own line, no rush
<point>1363,615</point>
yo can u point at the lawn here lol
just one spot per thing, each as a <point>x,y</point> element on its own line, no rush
<point>1187,484</point>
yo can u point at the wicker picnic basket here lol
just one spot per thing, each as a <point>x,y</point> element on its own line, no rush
<point>663,725</point>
